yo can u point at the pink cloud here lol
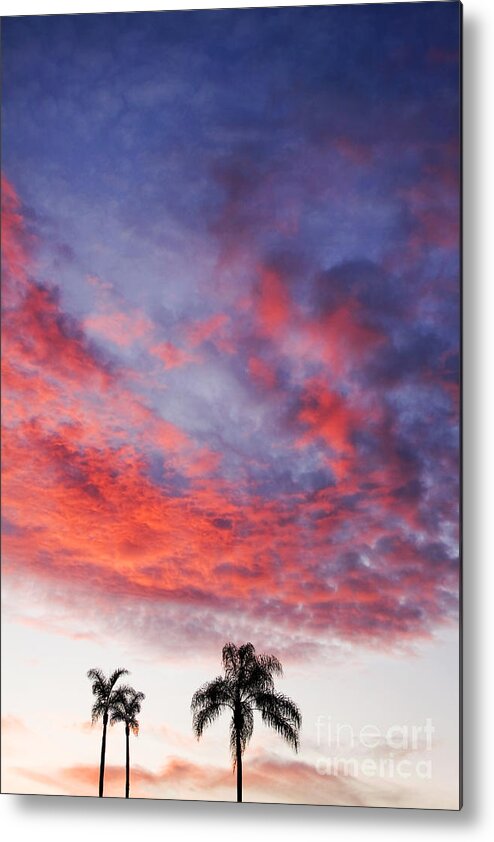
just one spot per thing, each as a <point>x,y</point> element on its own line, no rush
<point>267,779</point>
<point>122,329</point>
<point>171,356</point>
<point>86,512</point>
<point>211,329</point>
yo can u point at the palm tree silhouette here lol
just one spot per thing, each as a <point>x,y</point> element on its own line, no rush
<point>125,708</point>
<point>247,685</point>
<point>104,690</point>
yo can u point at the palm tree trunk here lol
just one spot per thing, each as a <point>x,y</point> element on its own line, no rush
<point>238,748</point>
<point>103,751</point>
<point>127,761</point>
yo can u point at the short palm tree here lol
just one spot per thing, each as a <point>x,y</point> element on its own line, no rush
<point>104,690</point>
<point>125,708</point>
<point>246,686</point>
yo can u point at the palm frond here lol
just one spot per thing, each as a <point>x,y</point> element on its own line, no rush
<point>281,714</point>
<point>125,694</point>
<point>259,679</point>
<point>282,727</point>
<point>283,704</point>
<point>97,711</point>
<point>97,677</point>
<point>125,705</point>
<point>230,659</point>
<point>117,715</point>
<point>246,653</point>
<point>138,697</point>
<point>217,691</point>
<point>101,686</point>
<point>251,671</point>
<point>205,716</point>
<point>270,664</point>
<point>96,674</point>
<point>120,694</point>
<point>116,674</point>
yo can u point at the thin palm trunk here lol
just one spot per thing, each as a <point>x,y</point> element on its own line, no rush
<point>127,761</point>
<point>103,752</point>
<point>239,767</point>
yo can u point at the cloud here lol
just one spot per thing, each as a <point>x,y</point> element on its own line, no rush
<point>13,725</point>
<point>319,413</point>
<point>171,356</point>
<point>119,328</point>
<point>212,330</point>
<point>266,779</point>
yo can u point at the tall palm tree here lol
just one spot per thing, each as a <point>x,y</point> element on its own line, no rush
<point>104,690</point>
<point>246,686</point>
<point>125,708</point>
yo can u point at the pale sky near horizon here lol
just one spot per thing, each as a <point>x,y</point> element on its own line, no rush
<point>230,400</point>
<point>62,748</point>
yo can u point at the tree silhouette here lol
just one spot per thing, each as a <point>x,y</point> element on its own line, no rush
<point>246,686</point>
<point>104,690</point>
<point>125,708</point>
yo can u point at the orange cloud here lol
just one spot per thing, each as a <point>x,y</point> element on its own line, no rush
<point>266,779</point>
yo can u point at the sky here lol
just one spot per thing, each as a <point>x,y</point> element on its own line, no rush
<point>230,369</point>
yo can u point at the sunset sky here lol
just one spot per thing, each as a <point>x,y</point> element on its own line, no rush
<point>230,364</point>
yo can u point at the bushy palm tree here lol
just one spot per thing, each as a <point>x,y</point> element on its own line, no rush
<point>125,708</point>
<point>104,690</point>
<point>247,685</point>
